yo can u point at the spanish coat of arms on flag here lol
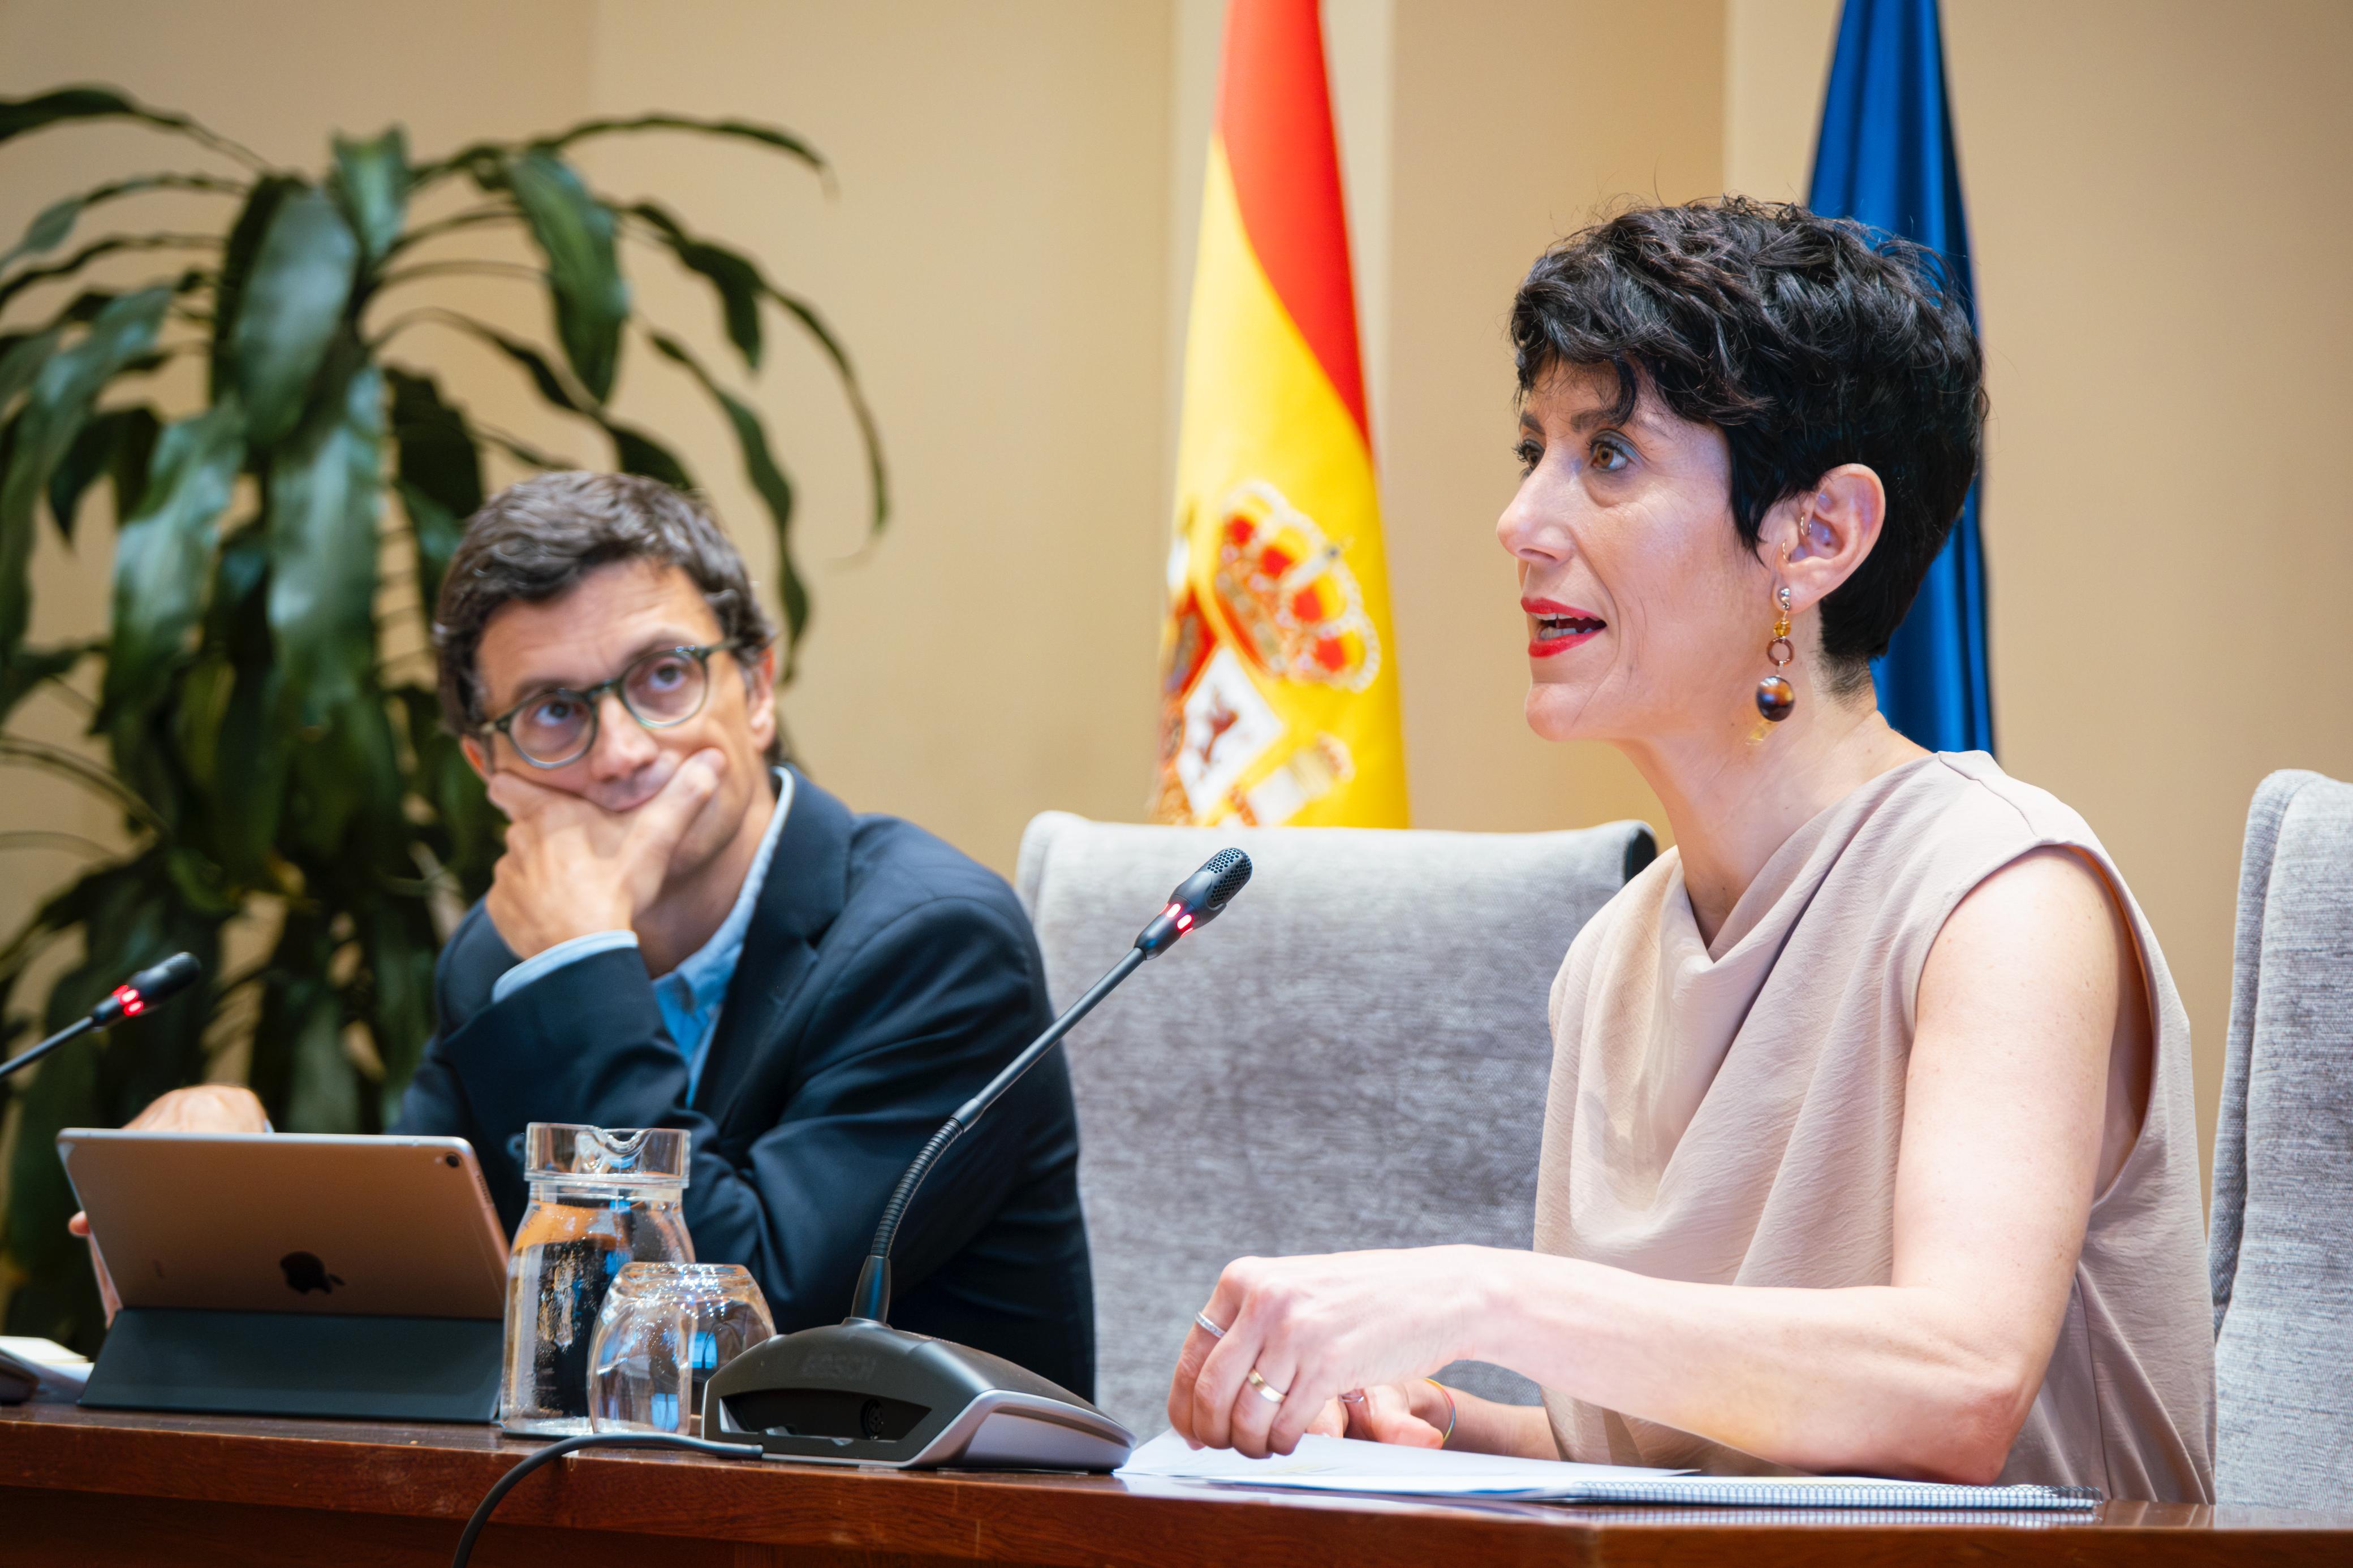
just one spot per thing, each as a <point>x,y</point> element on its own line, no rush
<point>1278,695</point>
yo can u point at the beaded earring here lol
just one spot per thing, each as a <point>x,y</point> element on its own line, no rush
<point>1774,695</point>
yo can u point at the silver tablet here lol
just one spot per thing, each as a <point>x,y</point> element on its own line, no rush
<point>285,1222</point>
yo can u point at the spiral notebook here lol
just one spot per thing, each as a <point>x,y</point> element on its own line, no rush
<point>1345,1464</point>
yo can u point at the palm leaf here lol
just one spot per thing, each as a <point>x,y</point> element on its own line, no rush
<point>774,489</point>
<point>634,451</point>
<point>472,831</point>
<point>372,178</point>
<point>245,238</point>
<point>22,361</point>
<point>325,488</point>
<point>481,153</point>
<point>440,473</point>
<point>523,452</point>
<point>574,231</point>
<point>742,286</point>
<point>294,301</point>
<point>734,276</point>
<point>56,404</point>
<point>19,116</point>
<point>118,444</point>
<point>246,782</point>
<point>807,315</point>
<point>299,1041</point>
<point>31,667</point>
<point>162,558</point>
<point>49,228</point>
<point>397,998</point>
<point>113,245</point>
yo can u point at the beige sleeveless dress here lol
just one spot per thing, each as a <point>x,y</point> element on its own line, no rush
<point>1730,1113</point>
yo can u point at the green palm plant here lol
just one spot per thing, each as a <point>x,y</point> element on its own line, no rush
<point>267,755</point>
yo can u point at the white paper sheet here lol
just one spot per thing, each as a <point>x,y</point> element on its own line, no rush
<point>1348,1464</point>
<point>1345,1464</point>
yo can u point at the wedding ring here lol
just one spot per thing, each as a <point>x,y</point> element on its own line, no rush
<point>1354,1397</point>
<point>1266,1390</point>
<point>1203,1319</point>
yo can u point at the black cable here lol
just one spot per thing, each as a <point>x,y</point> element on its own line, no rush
<point>507,1483</point>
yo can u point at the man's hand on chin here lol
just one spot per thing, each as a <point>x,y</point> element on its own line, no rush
<point>572,867</point>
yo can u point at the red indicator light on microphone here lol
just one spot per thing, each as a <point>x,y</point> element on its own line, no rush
<point>131,1004</point>
<point>1184,916</point>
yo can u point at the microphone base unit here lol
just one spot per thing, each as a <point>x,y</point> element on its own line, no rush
<point>862,1392</point>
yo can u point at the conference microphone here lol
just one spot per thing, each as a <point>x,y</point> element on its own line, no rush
<point>862,1392</point>
<point>143,990</point>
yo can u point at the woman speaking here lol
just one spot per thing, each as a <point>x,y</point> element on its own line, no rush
<point>1869,1146</point>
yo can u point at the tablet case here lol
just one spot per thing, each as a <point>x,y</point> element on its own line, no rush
<point>289,1364</point>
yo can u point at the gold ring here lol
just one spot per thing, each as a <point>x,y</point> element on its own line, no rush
<point>1266,1390</point>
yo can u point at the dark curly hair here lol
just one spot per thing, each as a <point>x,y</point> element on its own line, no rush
<point>534,539</point>
<point>1810,341</point>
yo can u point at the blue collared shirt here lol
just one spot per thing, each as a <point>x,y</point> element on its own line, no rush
<point>691,995</point>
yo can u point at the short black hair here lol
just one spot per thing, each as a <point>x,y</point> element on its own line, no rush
<point>534,540</point>
<point>1810,341</point>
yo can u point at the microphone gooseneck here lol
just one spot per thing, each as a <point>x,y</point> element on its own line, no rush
<point>143,990</point>
<point>1198,900</point>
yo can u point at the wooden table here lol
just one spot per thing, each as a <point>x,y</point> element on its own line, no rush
<point>93,1487</point>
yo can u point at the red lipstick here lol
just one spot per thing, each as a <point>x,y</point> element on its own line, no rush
<point>1557,628</point>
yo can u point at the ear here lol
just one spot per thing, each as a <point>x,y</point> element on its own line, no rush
<point>476,755</point>
<point>1826,532</point>
<point>760,696</point>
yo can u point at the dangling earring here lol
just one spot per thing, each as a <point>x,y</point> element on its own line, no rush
<point>1776,698</point>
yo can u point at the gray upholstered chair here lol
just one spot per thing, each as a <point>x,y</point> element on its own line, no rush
<point>1354,1056</point>
<point>2281,1248</point>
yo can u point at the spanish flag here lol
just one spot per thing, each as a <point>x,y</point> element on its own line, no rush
<point>1278,691</point>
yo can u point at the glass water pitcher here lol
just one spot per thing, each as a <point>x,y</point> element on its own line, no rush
<point>600,1200</point>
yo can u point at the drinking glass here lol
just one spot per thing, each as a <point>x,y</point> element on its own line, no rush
<point>601,1198</point>
<point>664,1330</point>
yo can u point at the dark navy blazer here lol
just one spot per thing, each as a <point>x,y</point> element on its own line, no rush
<point>885,978</point>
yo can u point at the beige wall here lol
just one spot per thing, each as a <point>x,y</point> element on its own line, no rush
<point>2158,207</point>
<point>1512,120</point>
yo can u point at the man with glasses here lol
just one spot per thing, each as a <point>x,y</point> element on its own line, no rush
<point>685,931</point>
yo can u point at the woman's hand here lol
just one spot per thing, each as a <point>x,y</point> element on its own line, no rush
<point>1411,1415</point>
<point>1315,1328</point>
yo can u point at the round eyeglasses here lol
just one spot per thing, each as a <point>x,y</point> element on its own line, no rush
<point>660,689</point>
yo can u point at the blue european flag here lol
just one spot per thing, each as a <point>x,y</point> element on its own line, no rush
<point>1886,158</point>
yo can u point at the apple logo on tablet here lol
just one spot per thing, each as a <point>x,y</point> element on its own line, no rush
<point>305,1273</point>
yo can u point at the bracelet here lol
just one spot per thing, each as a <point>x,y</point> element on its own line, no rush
<point>1450,1411</point>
